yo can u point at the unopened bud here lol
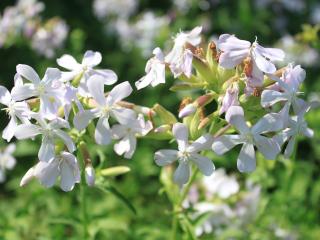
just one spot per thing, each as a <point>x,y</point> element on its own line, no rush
<point>164,114</point>
<point>203,123</point>
<point>162,128</point>
<point>27,177</point>
<point>187,110</point>
<point>90,175</point>
<point>205,99</point>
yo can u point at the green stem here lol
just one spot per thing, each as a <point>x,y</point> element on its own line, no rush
<point>174,229</point>
<point>188,186</point>
<point>84,213</point>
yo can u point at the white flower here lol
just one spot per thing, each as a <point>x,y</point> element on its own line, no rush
<point>180,58</point>
<point>50,132</point>
<point>86,70</point>
<point>234,51</point>
<point>296,126</point>
<point>49,89</point>
<point>127,134</point>
<point>106,107</point>
<point>17,111</point>
<point>289,85</point>
<point>64,165</point>
<point>186,152</point>
<point>7,161</point>
<point>155,71</point>
<point>220,184</point>
<point>249,137</point>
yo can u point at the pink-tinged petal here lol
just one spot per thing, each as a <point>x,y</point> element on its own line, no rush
<point>165,157</point>
<point>28,73</point>
<point>181,134</point>
<point>109,76</point>
<point>271,97</point>
<point>91,58</point>
<point>5,96</point>
<point>263,64</point>
<point>25,131</point>
<point>225,143</point>
<point>202,143</point>
<point>204,164</point>
<point>235,116</point>
<point>246,160</point>
<point>270,122</point>
<point>68,62</point>
<point>47,149</point>
<point>82,119</point>
<point>23,92</point>
<point>229,99</point>
<point>290,147</point>
<point>47,172</point>
<point>119,92</point>
<point>103,133</point>
<point>182,173</point>
<point>267,146</point>
<point>96,89</point>
<point>187,110</point>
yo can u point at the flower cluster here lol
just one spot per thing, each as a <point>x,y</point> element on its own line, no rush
<point>23,20</point>
<point>244,93</point>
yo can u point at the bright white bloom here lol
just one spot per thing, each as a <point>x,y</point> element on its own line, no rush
<point>186,152</point>
<point>127,133</point>
<point>155,71</point>
<point>49,89</point>
<point>85,69</point>
<point>64,165</point>
<point>296,126</point>
<point>106,107</point>
<point>50,132</point>
<point>249,137</point>
<point>289,86</point>
<point>234,51</point>
<point>220,184</point>
<point>7,161</point>
<point>180,58</point>
<point>17,111</point>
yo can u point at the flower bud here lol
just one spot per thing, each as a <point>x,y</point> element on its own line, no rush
<point>90,175</point>
<point>162,128</point>
<point>27,177</point>
<point>187,110</point>
<point>164,114</point>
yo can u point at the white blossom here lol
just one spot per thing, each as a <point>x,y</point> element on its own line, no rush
<point>127,135</point>
<point>106,107</point>
<point>64,165</point>
<point>186,152</point>
<point>155,71</point>
<point>7,161</point>
<point>249,137</point>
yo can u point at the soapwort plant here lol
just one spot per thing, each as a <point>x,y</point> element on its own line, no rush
<point>245,100</point>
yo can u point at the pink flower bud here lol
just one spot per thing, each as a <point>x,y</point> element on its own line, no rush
<point>187,110</point>
<point>90,175</point>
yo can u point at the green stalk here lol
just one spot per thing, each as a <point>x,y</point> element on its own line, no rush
<point>83,204</point>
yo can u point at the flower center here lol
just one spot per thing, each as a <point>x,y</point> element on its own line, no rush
<point>184,156</point>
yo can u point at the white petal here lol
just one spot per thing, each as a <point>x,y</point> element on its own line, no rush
<point>202,143</point>
<point>67,62</point>
<point>246,160</point>
<point>109,76</point>
<point>270,122</point>
<point>231,59</point>
<point>274,54</point>
<point>28,72</point>
<point>82,119</point>
<point>267,146</point>
<point>47,149</point>
<point>165,157</point>
<point>144,81</point>
<point>263,64</point>
<point>51,75</point>
<point>290,147</point>
<point>24,131</point>
<point>308,132</point>
<point>118,131</point>
<point>133,144</point>
<point>47,172</point>
<point>90,175</point>
<point>10,149</point>
<point>235,116</point>
<point>193,36</point>
<point>23,92</point>
<point>123,115</point>
<point>181,134</point>
<point>270,97</point>
<point>5,96</point>
<point>103,133</point>
<point>204,164</point>
<point>96,89</point>
<point>70,175</point>
<point>119,92</point>
<point>91,58</point>
<point>27,177</point>
<point>225,143</point>
<point>10,162</point>
<point>66,139</point>
<point>10,129</point>
<point>182,173</point>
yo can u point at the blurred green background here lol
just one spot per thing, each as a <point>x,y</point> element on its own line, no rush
<point>125,32</point>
